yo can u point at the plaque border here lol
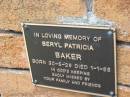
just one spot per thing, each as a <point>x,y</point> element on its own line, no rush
<point>74,26</point>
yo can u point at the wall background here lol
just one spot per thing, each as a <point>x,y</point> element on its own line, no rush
<point>15,78</point>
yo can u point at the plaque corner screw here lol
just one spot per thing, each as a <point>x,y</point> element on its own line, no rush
<point>109,32</point>
<point>35,81</point>
<point>112,93</point>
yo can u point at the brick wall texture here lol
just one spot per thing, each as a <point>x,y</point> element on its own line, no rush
<point>15,79</point>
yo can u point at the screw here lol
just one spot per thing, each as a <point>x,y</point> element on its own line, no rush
<point>35,81</point>
<point>109,32</point>
<point>112,93</point>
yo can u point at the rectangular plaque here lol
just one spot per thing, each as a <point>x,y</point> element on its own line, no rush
<point>74,58</point>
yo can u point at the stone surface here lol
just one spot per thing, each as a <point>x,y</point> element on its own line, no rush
<point>117,11</point>
<point>123,64</point>
<point>124,91</point>
<point>12,51</point>
<point>14,12</point>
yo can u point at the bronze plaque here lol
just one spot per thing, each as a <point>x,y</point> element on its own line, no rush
<point>74,58</point>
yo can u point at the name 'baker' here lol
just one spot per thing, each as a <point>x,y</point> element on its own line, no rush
<point>70,56</point>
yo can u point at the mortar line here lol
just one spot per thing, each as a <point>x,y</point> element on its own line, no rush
<point>122,43</point>
<point>13,71</point>
<point>13,32</point>
<point>125,85</point>
<point>17,69</point>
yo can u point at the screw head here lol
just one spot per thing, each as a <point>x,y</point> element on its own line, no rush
<point>112,93</point>
<point>109,32</point>
<point>35,81</point>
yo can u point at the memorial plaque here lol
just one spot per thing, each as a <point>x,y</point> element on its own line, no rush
<point>74,58</point>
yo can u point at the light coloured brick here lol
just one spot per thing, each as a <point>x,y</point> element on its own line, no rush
<point>117,11</point>
<point>123,64</point>
<point>12,51</point>
<point>123,91</point>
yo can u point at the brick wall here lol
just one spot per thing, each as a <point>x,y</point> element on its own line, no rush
<point>15,79</point>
